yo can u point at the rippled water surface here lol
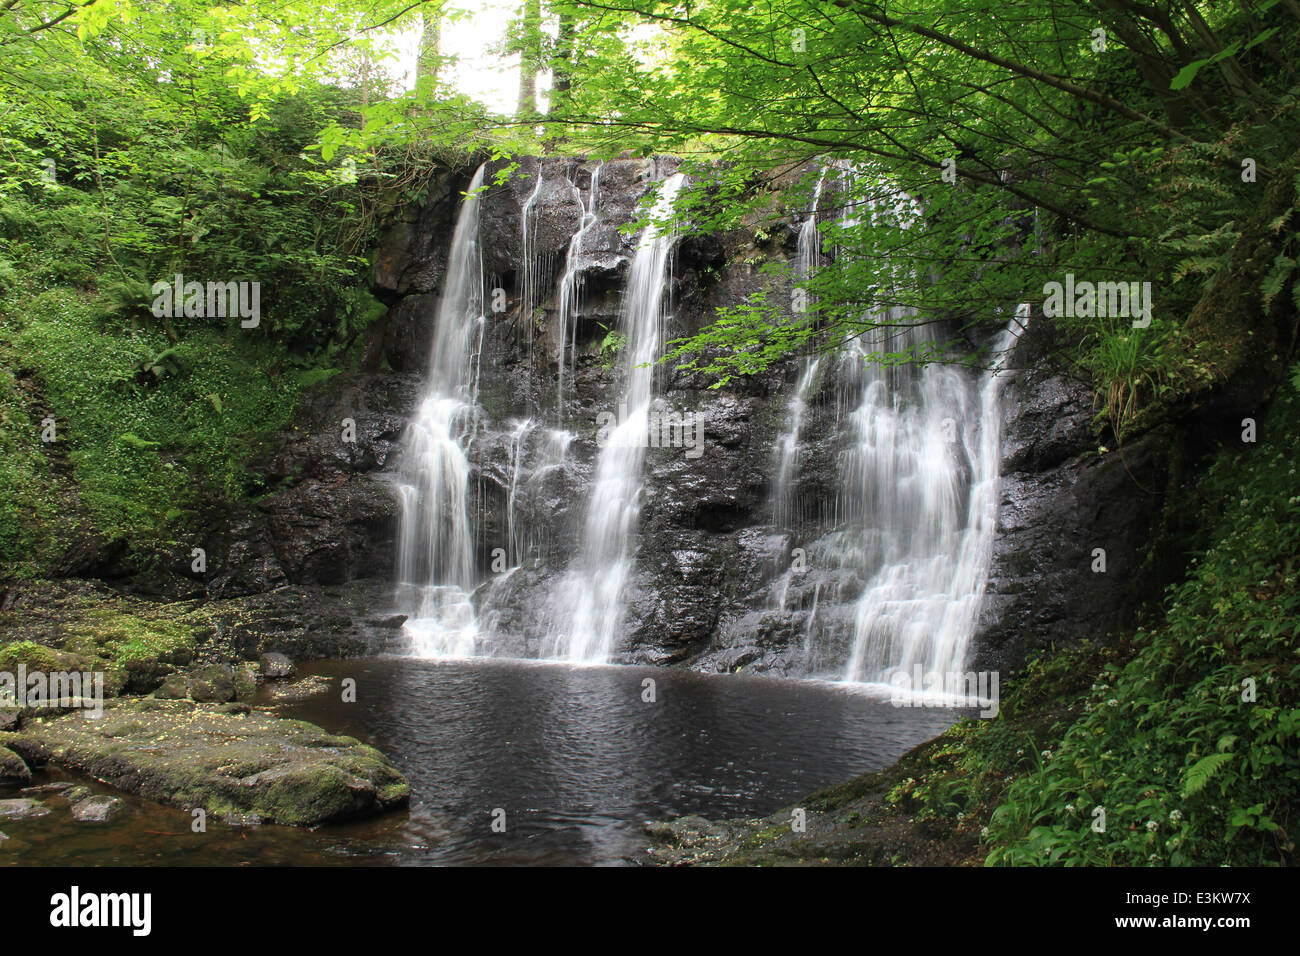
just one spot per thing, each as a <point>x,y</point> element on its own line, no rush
<point>573,755</point>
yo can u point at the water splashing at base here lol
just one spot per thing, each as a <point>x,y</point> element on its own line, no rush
<point>921,481</point>
<point>590,609</point>
<point>435,564</point>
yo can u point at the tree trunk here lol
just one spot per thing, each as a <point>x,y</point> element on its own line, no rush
<point>430,56</point>
<point>1245,345</point>
<point>530,56</point>
<point>562,65</point>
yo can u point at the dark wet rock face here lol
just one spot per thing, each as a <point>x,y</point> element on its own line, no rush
<point>335,518</point>
<point>1067,506</point>
<point>1056,527</point>
<point>409,258</point>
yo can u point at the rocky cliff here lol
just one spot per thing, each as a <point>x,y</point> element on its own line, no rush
<point>713,587</point>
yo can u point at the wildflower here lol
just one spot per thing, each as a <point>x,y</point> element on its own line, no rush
<point>1151,826</point>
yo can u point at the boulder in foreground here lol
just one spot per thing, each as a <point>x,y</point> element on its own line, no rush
<point>232,764</point>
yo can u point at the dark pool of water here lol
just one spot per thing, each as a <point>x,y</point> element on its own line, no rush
<point>574,756</point>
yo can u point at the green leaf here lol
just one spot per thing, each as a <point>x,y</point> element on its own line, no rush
<point>1199,774</point>
<point>1187,74</point>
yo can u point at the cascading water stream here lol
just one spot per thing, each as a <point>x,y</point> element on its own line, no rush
<point>435,552</point>
<point>571,283</point>
<point>531,269</point>
<point>921,478</point>
<point>590,609</point>
<point>516,547</point>
<point>916,506</point>
<point>788,447</point>
<point>808,250</point>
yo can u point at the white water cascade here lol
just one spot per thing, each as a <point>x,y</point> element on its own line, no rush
<point>783,503</point>
<point>435,557</point>
<point>920,486</point>
<point>571,282</point>
<point>808,250</point>
<point>589,603</point>
<point>533,270</point>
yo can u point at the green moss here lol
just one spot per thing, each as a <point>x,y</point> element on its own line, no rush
<point>841,795</point>
<point>141,454</point>
<point>134,643</point>
<point>35,657</point>
<point>127,638</point>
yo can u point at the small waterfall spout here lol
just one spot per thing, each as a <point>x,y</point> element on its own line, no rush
<point>571,283</point>
<point>788,444</point>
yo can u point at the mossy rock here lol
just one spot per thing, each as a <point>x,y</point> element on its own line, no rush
<point>67,625</point>
<point>230,763</point>
<point>13,769</point>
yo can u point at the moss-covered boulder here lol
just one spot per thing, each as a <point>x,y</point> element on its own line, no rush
<point>13,770</point>
<point>206,683</point>
<point>231,764</point>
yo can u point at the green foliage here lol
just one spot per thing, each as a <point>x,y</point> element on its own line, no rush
<point>29,509</point>
<point>1129,366</point>
<point>181,149</point>
<point>151,432</point>
<point>610,346</point>
<point>959,780</point>
<point>1191,746</point>
<point>1064,158</point>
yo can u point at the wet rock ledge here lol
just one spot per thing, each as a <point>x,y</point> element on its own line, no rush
<point>238,765</point>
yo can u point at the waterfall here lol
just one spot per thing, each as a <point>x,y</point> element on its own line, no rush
<point>436,541</point>
<point>809,247</point>
<point>516,546</point>
<point>920,481</point>
<point>531,270</point>
<point>590,600</point>
<point>787,446</point>
<point>897,579</point>
<point>571,282</point>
